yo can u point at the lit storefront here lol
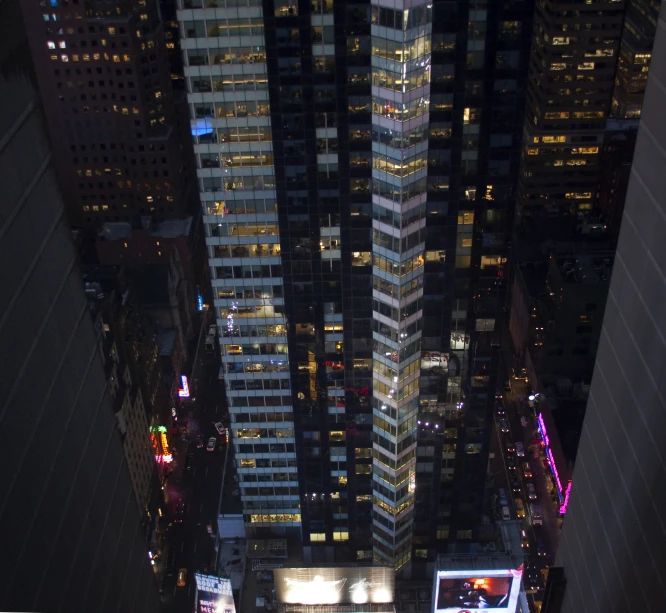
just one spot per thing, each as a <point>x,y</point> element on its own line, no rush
<point>558,478</point>
<point>161,450</point>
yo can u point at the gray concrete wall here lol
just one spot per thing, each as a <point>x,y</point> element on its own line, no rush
<point>614,536</point>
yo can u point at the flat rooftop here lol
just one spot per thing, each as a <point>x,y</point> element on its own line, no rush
<point>586,268</point>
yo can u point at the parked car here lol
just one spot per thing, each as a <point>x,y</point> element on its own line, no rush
<point>212,441</point>
<point>531,491</point>
<point>200,442</point>
<point>520,450</point>
<point>506,514</point>
<point>502,497</point>
<point>527,471</point>
<point>182,577</point>
<point>219,426</point>
<point>504,426</point>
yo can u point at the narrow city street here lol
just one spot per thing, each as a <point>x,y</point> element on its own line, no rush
<point>195,485</point>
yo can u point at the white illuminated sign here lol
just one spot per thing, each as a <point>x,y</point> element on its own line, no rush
<point>184,392</point>
<point>494,590</point>
<point>321,586</point>
<point>214,595</point>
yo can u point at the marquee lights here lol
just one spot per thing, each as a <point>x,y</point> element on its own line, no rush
<point>230,317</point>
<point>184,391</point>
<point>562,494</point>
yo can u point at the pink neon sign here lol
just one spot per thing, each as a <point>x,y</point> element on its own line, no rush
<point>561,493</point>
<point>184,392</point>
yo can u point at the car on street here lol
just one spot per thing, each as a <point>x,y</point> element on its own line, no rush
<point>532,576</point>
<point>531,491</point>
<point>500,409</point>
<point>537,514</point>
<point>200,442</point>
<point>510,447</point>
<point>219,426</point>
<point>504,426</point>
<point>515,486</point>
<point>541,549</point>
<point>507,386</point>
<point>520,508</point>
<point>506,514</point>
<point>188,462</point>
<point>511,464</point>
<point>182,577</point>
<point>211,444</point>
<point>520,450</point>
<point>524,540</point>
<point>527,470</point>
<point>502,497</point>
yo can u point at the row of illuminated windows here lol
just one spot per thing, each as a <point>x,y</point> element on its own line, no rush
<point>575,115</point>
<point>238,207</point>
<point>252,368</point>
<point>269,491</point>
<point>393,373</point>
<point>405,352</point>
<point>264,433</point>
<point>396,394</point>
<point>395,219</point>
<point>280,518</point>
<point>258,384</point>
<point>250,293</point>
<point>197,4</point>
<point>397,139</point>
<point>235,160</point>
<point>400,51</point>
<point>397,314</point>
<point>255,271</point>
<point>262,417</point>
<point>401,81</point>
<point>235,134</point>
<point>267,463</point>
<point>401,20</point>
<point>231,184</point>
<point>252,312</point>
<point>402,168</point>
<point>246,251</point>
<point>396,268</point>
<point>395,291</point>
<point>87,57</point>
<point>398,193</point>
<point>238,108</point>
<point>396,244</point>
<point>400,111</point>
<point>216,28</point>
<point>260,401</point>
<point>256,349</point>
<point>268,477</point>
<point>560,151</point>
<point>320,537</point>
<point>238,82</point>
<point>247,229</point>
<point>212,55</point>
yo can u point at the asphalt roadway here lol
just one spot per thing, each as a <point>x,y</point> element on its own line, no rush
<point>198,486</point>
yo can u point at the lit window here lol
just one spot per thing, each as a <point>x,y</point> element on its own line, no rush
<point>45,16</point>
<point>62,44</point>
<point>143,17</point>
<point>554,139</point>
<point>50,44</point>
<point>75,57</point>
<point>158,94</point>
<point>532,152</point>
<point>317,537</point>
<point>341,536</point>
<point>586,66</point>
<point>112,31</point>
<point>126,57</point>
<point>64,58</point>
<point>116,59</point>
<point>558,66</point>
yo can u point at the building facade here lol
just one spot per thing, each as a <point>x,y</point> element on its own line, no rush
<point>357,167</point>
<point>71,539</point>
<point>608,553</point>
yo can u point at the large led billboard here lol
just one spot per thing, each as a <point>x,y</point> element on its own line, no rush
<point>214,595</point>
<point>458,591</point>
<point>314,586</point>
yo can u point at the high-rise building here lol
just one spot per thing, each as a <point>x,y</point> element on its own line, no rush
<point>357,167</point>
<point>71,537</point>
<point>610,553</point>
<point>572,76</point>
<point>103,73</point>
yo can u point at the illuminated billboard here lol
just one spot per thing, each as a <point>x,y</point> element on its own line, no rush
<point>214,595</point>
<point>458,591</point>
<point>315,586</point>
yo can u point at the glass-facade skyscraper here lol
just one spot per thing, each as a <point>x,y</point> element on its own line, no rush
<point>357,167</point>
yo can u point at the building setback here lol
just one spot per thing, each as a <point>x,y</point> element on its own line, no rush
<point>357,167</point>
<point>610,553</point>
<point>71,537</point>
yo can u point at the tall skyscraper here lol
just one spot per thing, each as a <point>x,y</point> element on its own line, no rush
<point>357,164</point>
<point>71,538</point>
<point>103,73</point>
<point>610,552</point>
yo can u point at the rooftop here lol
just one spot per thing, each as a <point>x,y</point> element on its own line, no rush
<point>171,228</point>
<point>587,269</point>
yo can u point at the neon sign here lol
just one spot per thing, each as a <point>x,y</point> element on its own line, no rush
<point>160,432</point>
<point>562,494</point>
<point>200,302</point>
<point>184,392</point>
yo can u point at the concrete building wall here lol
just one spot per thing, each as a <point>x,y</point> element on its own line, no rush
<point>70,537</point>
<point>612,542</point>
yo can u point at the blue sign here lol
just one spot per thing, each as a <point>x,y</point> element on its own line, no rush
<point>200,302</point>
